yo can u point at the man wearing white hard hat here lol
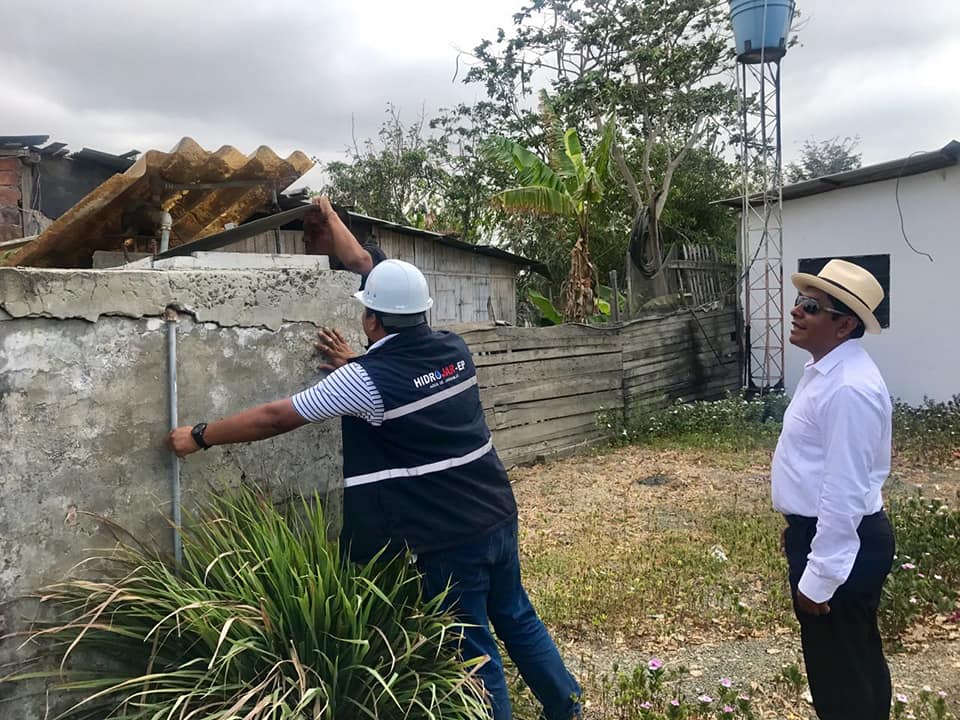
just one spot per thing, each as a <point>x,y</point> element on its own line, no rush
<point>421,473</point>
<point>828,470</point>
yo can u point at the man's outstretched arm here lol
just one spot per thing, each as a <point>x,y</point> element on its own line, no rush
<point>346,391</point>
<point>256,423</point>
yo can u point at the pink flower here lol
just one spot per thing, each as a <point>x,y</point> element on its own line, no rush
<point>705,699</point>
<point>654,664</point>
<point>676,703</point>
<point>727,710</point>
<point>743,697</point>
<point>901,698</point>
<point>941,693</point>
<point>908,566</point>
<point>646,705</point>
<point>726,682</point>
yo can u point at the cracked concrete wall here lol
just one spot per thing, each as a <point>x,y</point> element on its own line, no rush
<point>84,405</point>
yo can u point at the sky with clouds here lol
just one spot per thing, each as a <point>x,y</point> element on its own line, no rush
<point>299,75</point>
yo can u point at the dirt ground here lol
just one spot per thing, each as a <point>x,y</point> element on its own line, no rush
<point>643,491</point>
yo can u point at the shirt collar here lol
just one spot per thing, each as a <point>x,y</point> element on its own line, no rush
<point>833,358</point>
<point>381,341</point>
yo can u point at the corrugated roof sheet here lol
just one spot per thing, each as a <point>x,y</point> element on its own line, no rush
<point>915,164</point>
<point>201,190</point>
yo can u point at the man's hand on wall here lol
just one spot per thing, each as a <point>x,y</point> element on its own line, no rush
<point>331,343</point>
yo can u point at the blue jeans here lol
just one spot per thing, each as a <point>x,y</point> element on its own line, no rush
<point>485,588</point>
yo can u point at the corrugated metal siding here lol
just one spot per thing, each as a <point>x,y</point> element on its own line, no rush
<point>101,220</point>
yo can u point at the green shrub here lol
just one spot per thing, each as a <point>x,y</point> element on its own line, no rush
<point>651,692</point>
<point>736,422</point>
<point>925,578</point>
<point>928,434</point>
<point>263,621</point>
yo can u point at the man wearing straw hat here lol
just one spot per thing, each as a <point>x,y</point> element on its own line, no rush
<point>828,470</point>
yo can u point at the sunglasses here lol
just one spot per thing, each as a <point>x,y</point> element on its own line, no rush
<point>811,306</point>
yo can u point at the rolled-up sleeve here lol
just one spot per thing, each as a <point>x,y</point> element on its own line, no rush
<point>853,429</point>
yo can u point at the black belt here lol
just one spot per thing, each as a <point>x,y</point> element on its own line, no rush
<point>805,520</point>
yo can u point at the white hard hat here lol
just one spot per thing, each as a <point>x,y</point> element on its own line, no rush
<point>397,288</point>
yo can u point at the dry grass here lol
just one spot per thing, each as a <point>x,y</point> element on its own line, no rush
<point>620,558</point>
<point>630,545</point>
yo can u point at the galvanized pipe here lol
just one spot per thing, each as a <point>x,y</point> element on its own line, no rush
<point>170,315</point>
<point>166,225</point>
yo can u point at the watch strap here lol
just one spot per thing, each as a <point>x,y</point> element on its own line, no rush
<point>197,434</point>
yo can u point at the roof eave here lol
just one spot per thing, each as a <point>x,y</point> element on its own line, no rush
<point>914,164</point>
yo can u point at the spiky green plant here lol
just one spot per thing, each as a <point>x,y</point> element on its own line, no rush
<point>263,621</point>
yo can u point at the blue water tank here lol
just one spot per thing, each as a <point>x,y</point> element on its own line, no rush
<point>760,28</point>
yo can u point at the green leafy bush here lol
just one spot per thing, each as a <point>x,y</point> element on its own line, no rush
<point>263,621</point>
<point>651,692</point>
<point>928,434</point>
<point>926,574</point>
<point>736,422</point>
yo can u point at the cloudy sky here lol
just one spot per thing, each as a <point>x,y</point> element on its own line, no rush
<point>115,75</point>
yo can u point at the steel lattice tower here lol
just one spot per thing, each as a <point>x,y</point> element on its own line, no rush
<point>760,250</point>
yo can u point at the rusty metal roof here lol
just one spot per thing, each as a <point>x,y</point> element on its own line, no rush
<point>203,191</point>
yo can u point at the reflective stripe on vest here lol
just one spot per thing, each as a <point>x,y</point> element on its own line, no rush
<point>419,469</point>
<point>430,400</point>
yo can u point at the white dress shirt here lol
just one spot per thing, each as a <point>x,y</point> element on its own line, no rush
<point>832,458</point>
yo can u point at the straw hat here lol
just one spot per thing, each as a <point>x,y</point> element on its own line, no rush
<point>851,284</point>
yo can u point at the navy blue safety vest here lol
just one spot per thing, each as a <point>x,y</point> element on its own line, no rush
<point>429,477</point>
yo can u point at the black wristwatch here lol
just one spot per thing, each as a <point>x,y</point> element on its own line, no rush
<point>197,434</point>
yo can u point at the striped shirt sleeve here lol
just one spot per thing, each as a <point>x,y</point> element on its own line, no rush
<point>348,390</point>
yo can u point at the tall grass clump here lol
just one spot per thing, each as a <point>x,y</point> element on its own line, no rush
<point>263,621</point>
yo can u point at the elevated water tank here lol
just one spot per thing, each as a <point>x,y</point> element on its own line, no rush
<point>760,28</point>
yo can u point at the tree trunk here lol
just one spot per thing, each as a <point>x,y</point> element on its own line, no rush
<point>655,249</point>
<point>579,290</point>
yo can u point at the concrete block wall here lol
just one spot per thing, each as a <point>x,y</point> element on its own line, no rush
<point>83,408</point>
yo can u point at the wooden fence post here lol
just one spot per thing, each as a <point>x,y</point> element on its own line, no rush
<point>615,305</point>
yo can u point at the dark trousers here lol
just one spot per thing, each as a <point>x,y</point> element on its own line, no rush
<point>485,588</point>
<point>842,651</point>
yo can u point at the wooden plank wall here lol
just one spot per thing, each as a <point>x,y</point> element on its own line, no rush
<point>543,388</point>
<point>693,356</point>
<point>465,286</point>
<point>291,243</point>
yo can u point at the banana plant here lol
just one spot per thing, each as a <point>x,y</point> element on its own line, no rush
<point>568,185</point>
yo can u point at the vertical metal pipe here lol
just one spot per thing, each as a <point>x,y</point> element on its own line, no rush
<point>276,208</point>
<point>166,224</point>
<point>170,315</point>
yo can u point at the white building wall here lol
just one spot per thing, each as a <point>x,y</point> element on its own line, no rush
<point>919,354</point>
